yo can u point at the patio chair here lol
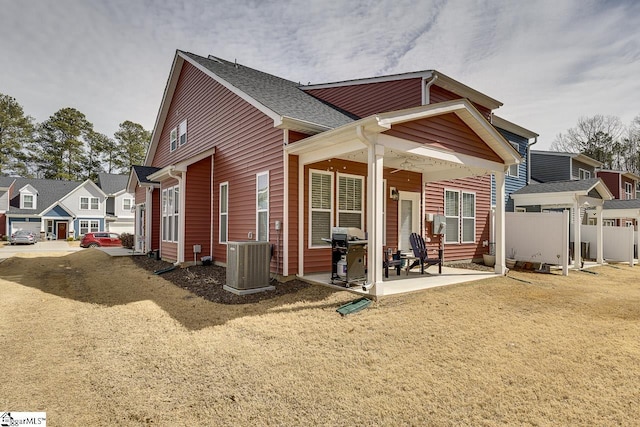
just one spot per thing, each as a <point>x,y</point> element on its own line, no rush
<point>396,262</point>
<point>420,252</point>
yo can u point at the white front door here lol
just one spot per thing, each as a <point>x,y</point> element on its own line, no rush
<point>408,218</point>
<point>140,228</point>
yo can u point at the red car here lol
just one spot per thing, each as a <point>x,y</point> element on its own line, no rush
<point>93,240</point>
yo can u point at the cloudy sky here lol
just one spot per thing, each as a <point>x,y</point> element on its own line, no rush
<point>548,61</point>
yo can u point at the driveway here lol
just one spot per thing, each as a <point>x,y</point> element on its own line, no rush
<point>48,246</point>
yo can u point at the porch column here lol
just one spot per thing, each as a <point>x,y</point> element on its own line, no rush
<point>148,220</point>
<point>599,236</point>
<point>500,267</point>
<point>576,235</point>
<point>375,200</point>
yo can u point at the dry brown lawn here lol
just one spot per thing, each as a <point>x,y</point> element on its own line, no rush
<point>94,340</point>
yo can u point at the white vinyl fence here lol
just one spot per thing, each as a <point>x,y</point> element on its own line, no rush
<point>538,237</point>
<point>617,242</point>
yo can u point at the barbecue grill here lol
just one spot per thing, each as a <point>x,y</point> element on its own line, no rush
<point>348,256</point>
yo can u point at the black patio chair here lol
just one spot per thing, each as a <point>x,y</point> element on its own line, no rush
<point>420,252</point>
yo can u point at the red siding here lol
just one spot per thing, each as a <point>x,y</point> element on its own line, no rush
<point>434,199</point>
<point>246,143</point>
<point>155,219</point>
<point>319,259</point>
<point>3,225</point>
<point>438,94</point>
<point>612,181</point>
<point>447,132</point>
<point>366,99</point>
<point>140,195</point>
<point>198,206</point>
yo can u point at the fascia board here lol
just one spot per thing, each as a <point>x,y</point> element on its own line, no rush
<point>380,79</point>
<point>465,91</point>
<point>512,127</point>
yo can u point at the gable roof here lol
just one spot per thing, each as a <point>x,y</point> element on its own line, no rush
<point>281,100</point>
<point>578,156</point>
<point>504,124</point>
<point>112,183</point>
<point>576,185</point>
<point>140,174</point>
<point>50,191</point>
<point>622,204</point>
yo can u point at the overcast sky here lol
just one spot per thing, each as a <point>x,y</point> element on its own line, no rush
<point>549,62</point>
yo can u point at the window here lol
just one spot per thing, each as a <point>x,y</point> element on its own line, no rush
<point>27,201</point>
<point>89,226</point>
<point>262,206</point>
<point>87,203</point>
<point>521,209</point>
<point>173,140</point>
<point>460,213</point>
<point>127,204</point>
<point>628,223</point>
<point>452,212</point>
<point>584,174</point>
<point>320,207</point>
<point>170,214</point>
<point>513,169</point>
<point>592,221</point>
<point>182,132</point>
<point>608,222</point>
<point>350,210</point>
<point>628,190</point>
<point>224,212</point>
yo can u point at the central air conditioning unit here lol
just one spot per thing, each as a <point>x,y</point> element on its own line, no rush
<point>248,267</point>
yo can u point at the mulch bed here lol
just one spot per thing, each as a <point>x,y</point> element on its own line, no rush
<point>207,281</point>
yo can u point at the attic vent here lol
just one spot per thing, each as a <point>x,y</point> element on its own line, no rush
<point>213,58</point>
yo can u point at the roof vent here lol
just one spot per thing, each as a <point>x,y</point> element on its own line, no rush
<point>213,58</point>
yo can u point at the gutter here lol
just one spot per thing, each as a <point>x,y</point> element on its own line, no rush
<point>535,141</point>
<point>426,98</point>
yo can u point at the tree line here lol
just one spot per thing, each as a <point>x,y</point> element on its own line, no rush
<point>65,146</point>
<point>606,139</point>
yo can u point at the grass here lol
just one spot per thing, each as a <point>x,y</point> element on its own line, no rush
<point>94,340</point>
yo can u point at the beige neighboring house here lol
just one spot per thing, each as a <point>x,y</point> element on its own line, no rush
<point>120,207</point>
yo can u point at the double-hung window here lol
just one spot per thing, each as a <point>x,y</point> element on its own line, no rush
<point>513,169</point>
<point>460,213</point>
<point>87,203</point>
<point>584,174</point>
<point>224,212</point>
<point>320,207</point>
<point>182,132</point>
<point>127,204</point>
<point>87,226</point>
<point>170,214</point>
<point>173,139</point>
<point>262,206</point>
<point>628,190</point>
<point>27,201</point>
<point>350,195</point>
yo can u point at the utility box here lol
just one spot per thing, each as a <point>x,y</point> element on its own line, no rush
<point>248,267</point>
<point>439,224</point>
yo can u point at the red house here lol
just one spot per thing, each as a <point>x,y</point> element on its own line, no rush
<point>623,186</point>
<point>239,154</point>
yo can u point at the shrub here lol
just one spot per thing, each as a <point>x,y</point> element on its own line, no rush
<point>127,240</point>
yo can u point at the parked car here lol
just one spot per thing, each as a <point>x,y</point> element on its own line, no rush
<point>93,240</point>
<point>23,236</point>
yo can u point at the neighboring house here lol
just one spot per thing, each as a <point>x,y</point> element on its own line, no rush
<point>120,204</point>
<point>518,175</point>
<point>5,186</point>
<point>58,208</point>
<point>239,154</point>
<point>547,166</point>
<point>623,187</point>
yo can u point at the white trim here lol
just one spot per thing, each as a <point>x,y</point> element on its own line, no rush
<point>416,214</point>
<point>285,211</point>
<point>331,210</point>
<point>173,139</point>
<point>180,128</point>
<point>362,191</point>
<point>583,173</point>
<point>462,217</point>
<point>444,211</point>
<point>226,214</point>
<point>89,203</point>
<point>515,129</point>
<point>258,210</point>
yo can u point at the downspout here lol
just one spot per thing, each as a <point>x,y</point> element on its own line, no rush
<point>181,220</point>
<point>426,98</point>
<point>535,141</point>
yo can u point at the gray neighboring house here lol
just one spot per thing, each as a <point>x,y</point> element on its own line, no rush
<point>549,166</point>
<point>119,206</point>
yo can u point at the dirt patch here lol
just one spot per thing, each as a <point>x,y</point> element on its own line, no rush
<point>207,282</point>
<point>95,340</point>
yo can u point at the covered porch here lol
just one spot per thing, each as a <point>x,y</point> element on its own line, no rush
<point>437,142</point>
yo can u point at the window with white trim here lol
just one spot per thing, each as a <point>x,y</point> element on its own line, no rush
<point>89,226</point>
<point>460,213</point>
<point>170,214</point>
<point>224,212</point>
<point>182,132</point>
<point>320,207</point>
<point>350,195</point>
<point>27,201</point>
<point>628,223</point>
<point>608,222</point>
<point>262,206</point>
<point>513,169</point>
<point>173,139</point>
<point>584,174</point>
<point>87,203</point>
<point>127,204</point>
<point>628,190</point>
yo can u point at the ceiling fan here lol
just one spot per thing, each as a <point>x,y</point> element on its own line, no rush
<point>405,165</point>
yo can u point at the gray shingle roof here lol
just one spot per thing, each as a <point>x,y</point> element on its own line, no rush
<point>5,181</point>
<point>559,186</point>
<point>111,183</point>
<point>49,192</point>
<point>622,204</point>
<point>282,96</point>
<point>142,172</point>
